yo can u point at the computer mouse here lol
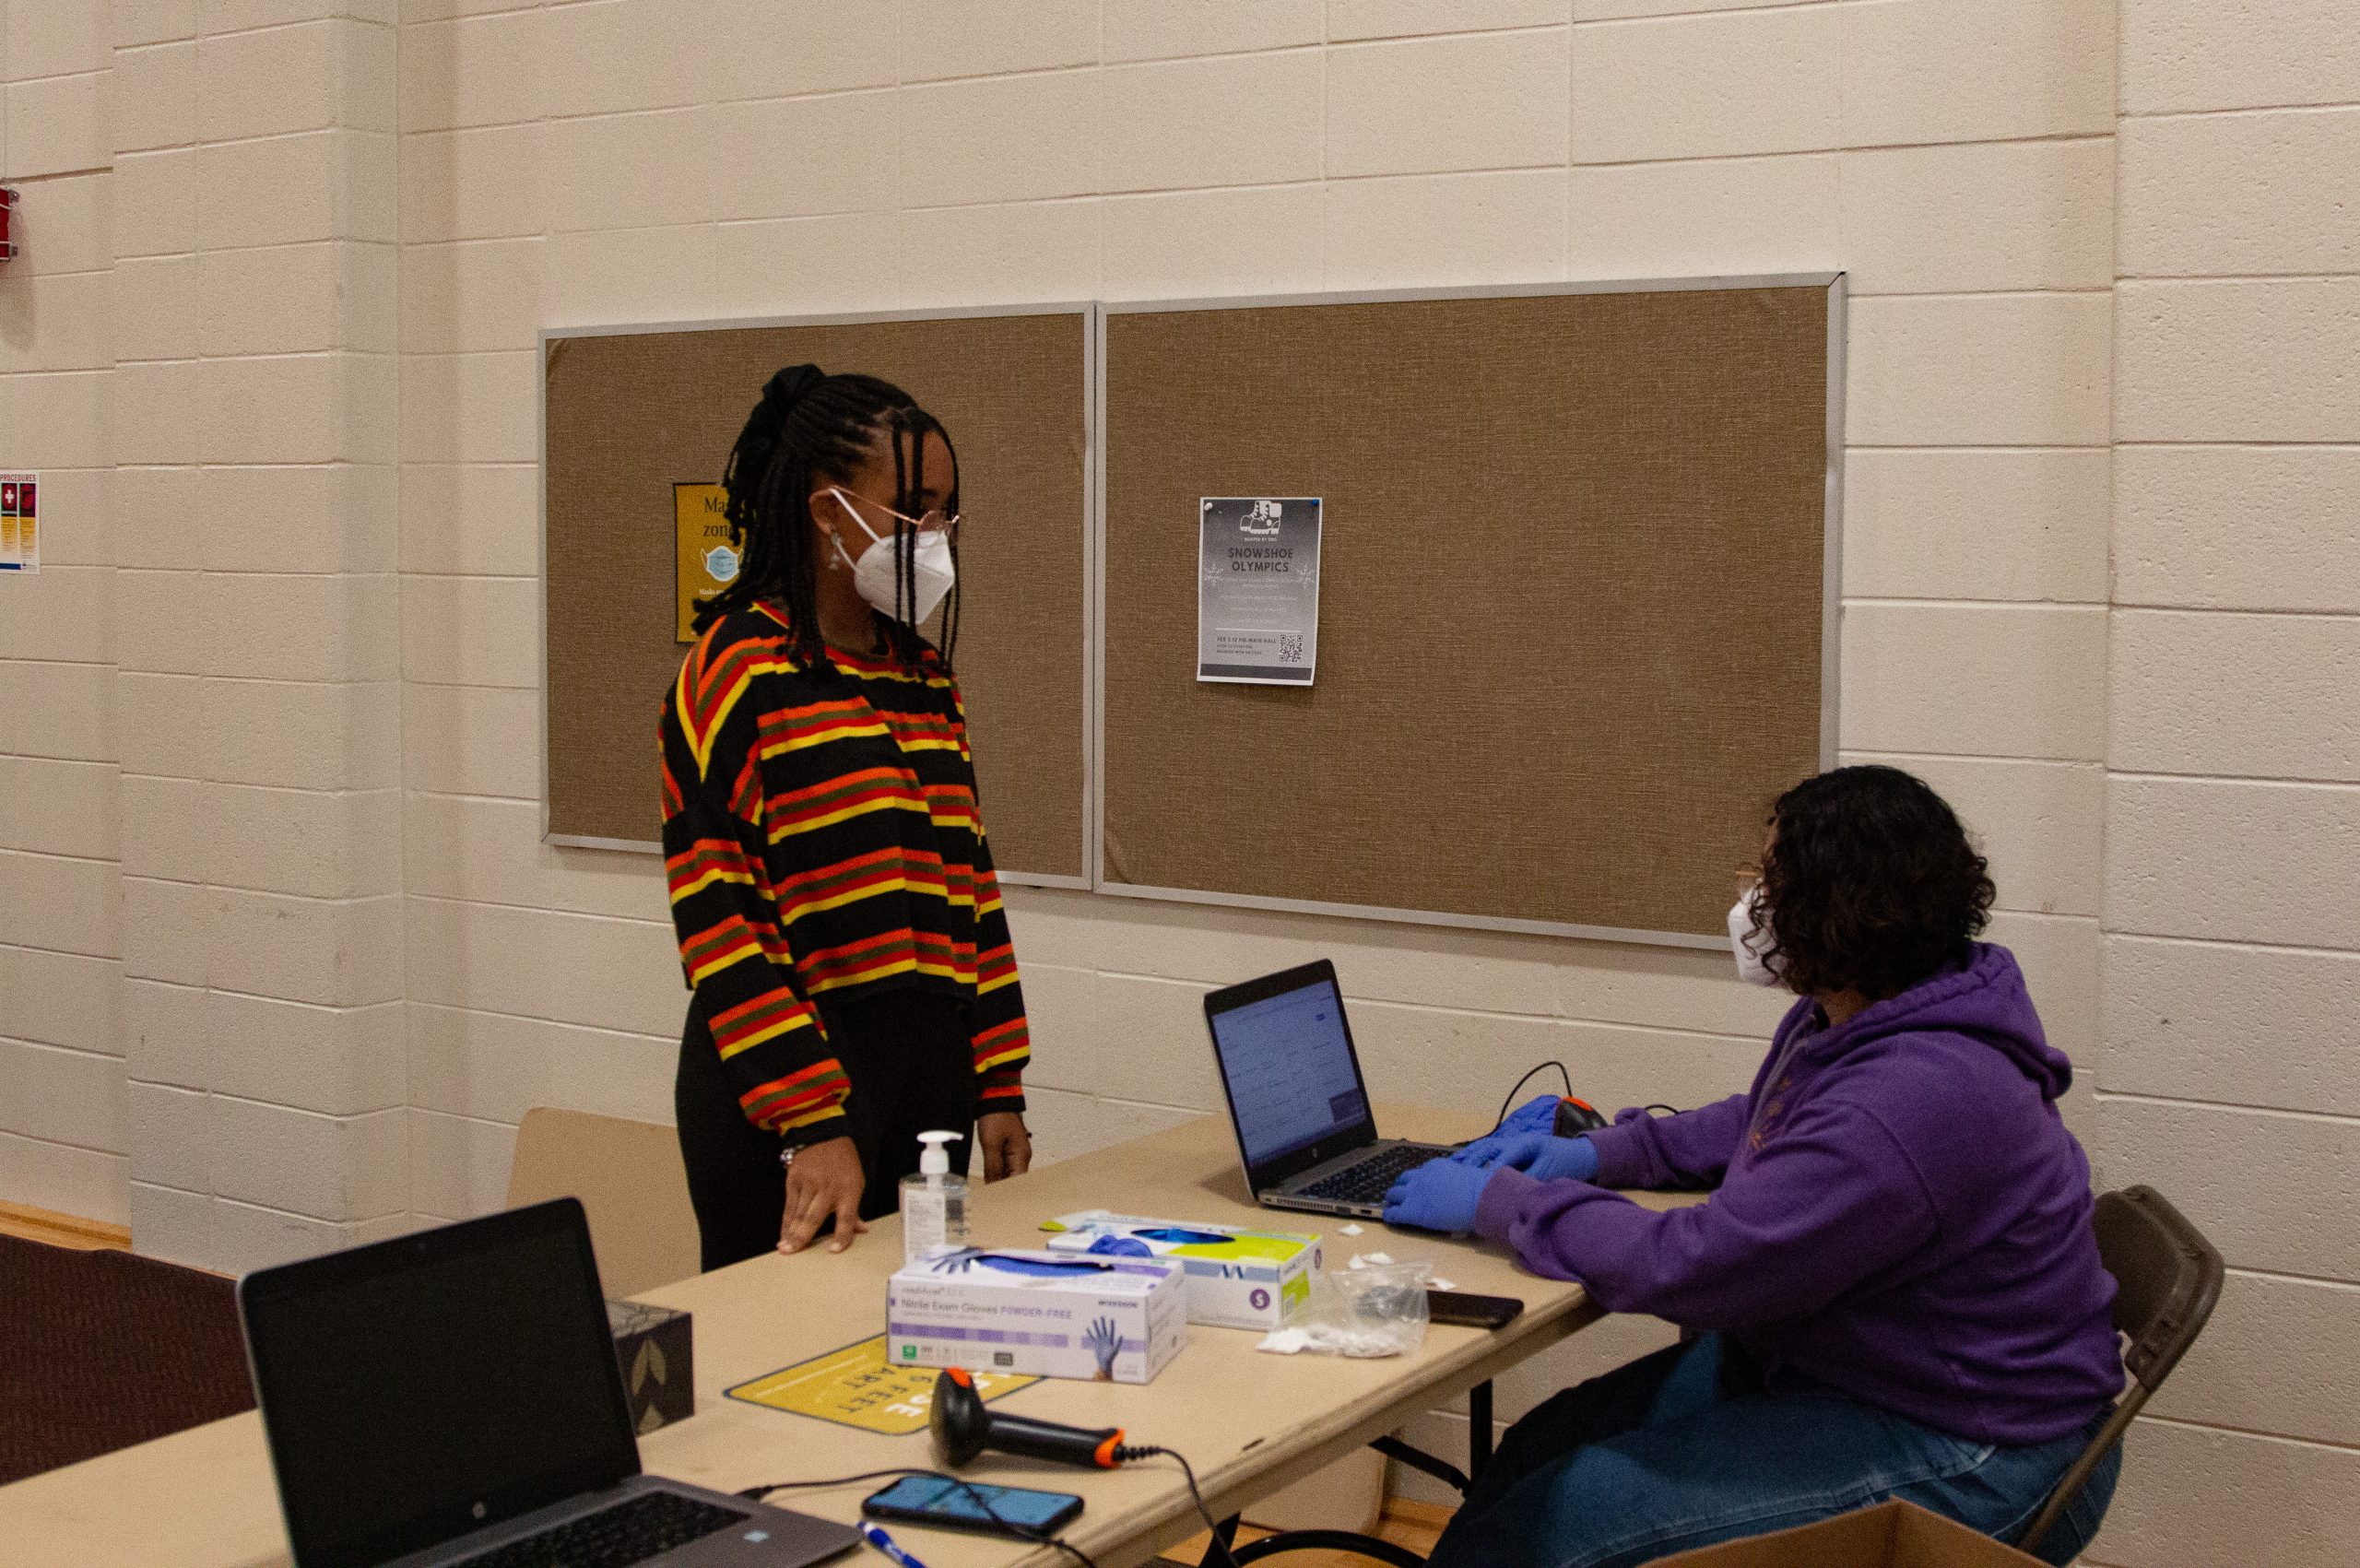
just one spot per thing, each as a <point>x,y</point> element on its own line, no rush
<point>1575,1117</point>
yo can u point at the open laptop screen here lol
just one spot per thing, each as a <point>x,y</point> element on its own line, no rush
<point>1287,1060</point>
<point>422,1387</point>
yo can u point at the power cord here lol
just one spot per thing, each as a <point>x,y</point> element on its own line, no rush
<point>1006,1526</point>
<point>1509,1104</point>
<point>1667,1110</point>
<point>1217,1554</point>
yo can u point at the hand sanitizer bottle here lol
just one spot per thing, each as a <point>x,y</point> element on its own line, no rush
<point>934,1202</point>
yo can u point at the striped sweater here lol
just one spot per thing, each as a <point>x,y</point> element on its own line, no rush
<point>820,833</point>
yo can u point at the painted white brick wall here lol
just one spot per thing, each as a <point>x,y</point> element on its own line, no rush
<point>258,671</point>
<point>62,1102</point>
<point>2233,814</point>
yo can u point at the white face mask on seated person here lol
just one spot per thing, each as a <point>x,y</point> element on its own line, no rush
<point>879,570</point>
<point>1752,966</point>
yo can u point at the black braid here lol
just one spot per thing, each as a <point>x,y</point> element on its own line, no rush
<point>811,426</point>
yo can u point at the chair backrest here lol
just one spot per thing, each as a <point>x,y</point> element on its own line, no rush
<point>2169,1277</point>
<point>629,1177</point>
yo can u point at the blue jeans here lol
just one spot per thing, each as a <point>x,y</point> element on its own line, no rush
<point>1683,1448</point>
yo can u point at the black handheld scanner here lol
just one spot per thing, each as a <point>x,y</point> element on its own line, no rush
<point>964,1428</point>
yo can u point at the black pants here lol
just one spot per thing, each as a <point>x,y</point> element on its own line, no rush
<point>912,1068</point>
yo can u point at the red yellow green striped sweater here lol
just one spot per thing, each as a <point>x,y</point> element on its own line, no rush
<point>820,833</point>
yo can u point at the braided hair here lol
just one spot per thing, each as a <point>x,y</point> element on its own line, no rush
<point>809,429</point>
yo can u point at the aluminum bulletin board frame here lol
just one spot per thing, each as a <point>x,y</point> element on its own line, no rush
<point>1831,611</point>
<point>1093,470</point>
<point>1094,878</point>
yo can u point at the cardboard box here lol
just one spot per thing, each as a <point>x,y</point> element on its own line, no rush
<point>1237,1278</point>
<point>1052,1314</point>
<point>1346,1495</point>
<point>653,1347</point>
<point>1890,1534</point>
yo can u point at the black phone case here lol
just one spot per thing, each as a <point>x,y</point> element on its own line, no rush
<point>1461,1309</point>
<point>872,1509</point>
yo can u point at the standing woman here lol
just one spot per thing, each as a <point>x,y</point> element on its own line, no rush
<point>838,917</point>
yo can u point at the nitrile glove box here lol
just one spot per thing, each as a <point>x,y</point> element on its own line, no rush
<point>1046,1314</point>
<point>1237,1278</point>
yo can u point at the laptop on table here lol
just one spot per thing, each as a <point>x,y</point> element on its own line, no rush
<point>1296,1098</point>
<point>451,1399</point>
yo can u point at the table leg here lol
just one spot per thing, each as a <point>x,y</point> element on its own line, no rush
<point>1479,1430</point>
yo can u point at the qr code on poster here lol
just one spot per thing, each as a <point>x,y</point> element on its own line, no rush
<point>1290,647</point>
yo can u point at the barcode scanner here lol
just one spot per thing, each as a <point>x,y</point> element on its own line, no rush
<point>964,1428</point>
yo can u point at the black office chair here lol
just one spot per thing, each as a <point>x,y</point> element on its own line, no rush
<point>2169,1277</point>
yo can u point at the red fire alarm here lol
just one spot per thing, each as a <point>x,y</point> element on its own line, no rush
<point>8,223</point>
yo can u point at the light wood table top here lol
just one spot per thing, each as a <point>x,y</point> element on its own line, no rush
<point>1250,1423</point>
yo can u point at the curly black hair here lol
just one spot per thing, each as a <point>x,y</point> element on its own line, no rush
<point>1868,884</point>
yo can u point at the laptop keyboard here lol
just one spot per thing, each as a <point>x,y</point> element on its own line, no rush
<point>633,1531</point>
<point>1370,1180</point>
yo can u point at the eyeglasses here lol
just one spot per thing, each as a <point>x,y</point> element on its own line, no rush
<point>937,521</point>
<point>1748,876</point>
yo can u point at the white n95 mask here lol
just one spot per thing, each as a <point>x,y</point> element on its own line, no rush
<point>877,572</point>
<point>1752,967</point>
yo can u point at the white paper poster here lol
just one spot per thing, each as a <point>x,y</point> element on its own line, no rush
<point>19,521</point>
<point>1258,589</point>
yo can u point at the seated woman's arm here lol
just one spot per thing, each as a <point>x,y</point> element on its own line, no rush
<point>1687,1153</point>
<point>1833,1200</point>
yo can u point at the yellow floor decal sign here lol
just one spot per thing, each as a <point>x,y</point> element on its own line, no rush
<point>855,1387</point>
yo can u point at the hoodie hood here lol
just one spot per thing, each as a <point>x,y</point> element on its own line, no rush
<point>1986,1001</point>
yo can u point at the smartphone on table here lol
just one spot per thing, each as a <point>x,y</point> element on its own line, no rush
<point>953,1505</point>
<point>1473,1311</point>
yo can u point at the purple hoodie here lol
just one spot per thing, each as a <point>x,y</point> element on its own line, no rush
<point>1898,1215</point>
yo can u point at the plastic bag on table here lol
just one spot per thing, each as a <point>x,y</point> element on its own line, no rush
<point>1379,1310</point>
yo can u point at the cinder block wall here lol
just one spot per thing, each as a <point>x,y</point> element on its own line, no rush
<point>2231,950</point>
<point>62,1135</point>
<point>258,617</point>
<point>2100,569</point>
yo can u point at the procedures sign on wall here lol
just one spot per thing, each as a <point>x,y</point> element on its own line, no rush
<point>1258,589</point>
<point>19,521</point>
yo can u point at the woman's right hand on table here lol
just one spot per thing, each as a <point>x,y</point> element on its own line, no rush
<point>822,1179</point>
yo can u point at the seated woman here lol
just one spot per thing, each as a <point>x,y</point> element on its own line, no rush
<point>1894,1289</point>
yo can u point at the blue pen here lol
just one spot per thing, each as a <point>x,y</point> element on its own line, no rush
<point>886,1544</point>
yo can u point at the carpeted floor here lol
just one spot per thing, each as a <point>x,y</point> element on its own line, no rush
<point>102,1349</point>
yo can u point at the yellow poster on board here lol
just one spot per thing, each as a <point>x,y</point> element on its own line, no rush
<point>703,561</point>
<point>854,1387</point>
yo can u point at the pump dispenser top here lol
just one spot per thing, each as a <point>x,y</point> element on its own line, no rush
<point>933,1159</point>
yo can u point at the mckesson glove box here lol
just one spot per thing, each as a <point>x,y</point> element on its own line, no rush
<point>1050,1315</point>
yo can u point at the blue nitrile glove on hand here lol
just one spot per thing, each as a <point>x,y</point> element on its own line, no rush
<point>1547,1159</point>
<point>1536,1114</point>
<point>1440,1195</point>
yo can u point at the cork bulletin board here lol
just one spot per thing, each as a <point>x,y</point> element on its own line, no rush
<point>629,414</point>
<point>1577,601</point>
